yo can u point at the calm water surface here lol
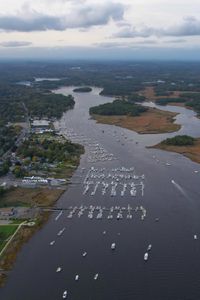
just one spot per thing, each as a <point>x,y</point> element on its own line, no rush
<point>172,271</point>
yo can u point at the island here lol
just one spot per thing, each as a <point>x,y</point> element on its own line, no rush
<point>84,89</point>
<point>135,117</point>
<point>182,144</point>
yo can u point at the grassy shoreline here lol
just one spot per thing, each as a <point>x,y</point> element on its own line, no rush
<point>25,233</point>
<point>42,198</point>
<point>192,152</point>
<point>151,122</point>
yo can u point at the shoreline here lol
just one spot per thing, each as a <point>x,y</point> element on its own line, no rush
<point>34,197</point>
<point>150,95</point>
<point>191,152</point>
<point>153,121</point>
<point>22,237</point>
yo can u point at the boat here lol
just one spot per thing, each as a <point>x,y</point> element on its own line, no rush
<point>58,269</point>
<point>149,247</point>
<point>113,246</point>
<point>77,277</point>
<point>52,243</point>
<point>64,294</point>
<point>61,231</point>
<point>96,276</point>
<point>146,256</point>
<point>84,254</point>
<point>195,237</point>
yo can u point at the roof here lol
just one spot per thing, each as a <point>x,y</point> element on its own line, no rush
<point>40,123</point>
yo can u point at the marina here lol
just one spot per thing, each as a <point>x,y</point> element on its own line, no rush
<point>153,231</point>
<point>109,213</point>
<point>118,180</point>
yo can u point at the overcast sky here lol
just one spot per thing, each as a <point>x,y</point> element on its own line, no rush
<point>134,29</point>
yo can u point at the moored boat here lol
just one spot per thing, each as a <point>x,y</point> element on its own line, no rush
<point>113,246</point>
<point>146,256</point>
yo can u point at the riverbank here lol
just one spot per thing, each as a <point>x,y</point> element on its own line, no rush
<point>8,258</point>
<point>192,152</point>
<point>150,95</point>
<point>35,199</point>
<point>175,98</point>
<point>151,122</point>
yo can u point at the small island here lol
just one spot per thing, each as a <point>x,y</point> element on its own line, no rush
<point>84,89</point>
<point>183,144</point>
<point>135,117</point>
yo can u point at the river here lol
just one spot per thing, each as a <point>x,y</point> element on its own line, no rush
<point>171,200</point>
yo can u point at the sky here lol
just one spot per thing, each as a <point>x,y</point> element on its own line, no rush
<point>100,29</point>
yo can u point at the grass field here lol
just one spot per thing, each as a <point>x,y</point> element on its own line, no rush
<point>30,197</point>
<point>6,231</point>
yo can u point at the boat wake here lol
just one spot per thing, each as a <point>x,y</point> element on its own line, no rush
<point>180,189</point>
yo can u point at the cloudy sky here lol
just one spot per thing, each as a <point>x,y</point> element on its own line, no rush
<point>118,29</point>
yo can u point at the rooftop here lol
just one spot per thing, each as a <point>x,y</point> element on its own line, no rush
<point>37,123</point>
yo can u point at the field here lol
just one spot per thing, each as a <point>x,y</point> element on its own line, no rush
<point>152,121</point>
<point>149,93</point>
<point>30,197</point>
<point>6,231</point>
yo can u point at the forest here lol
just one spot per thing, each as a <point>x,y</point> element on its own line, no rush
<point>8,136</point>
<point>118,107</point>
<point>179,140</point>
<point>17,101</point>
<point>42,153</point>
<point>84,89</point>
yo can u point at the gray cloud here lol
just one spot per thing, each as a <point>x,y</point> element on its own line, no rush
<point>111,45</point>
<point>132,32</point>
<point>146,42</point>
<point>189,26</point>
<point>176,41</point>
<point>124,45</point>
<point>13,44</point>
<point>81,16</point>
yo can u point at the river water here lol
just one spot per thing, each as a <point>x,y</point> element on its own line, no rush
<point>171,194</point>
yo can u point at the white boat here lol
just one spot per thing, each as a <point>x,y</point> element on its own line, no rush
<point>149,247</point>
<point>119,216</point>
<point>96,276</point>
<point>146,256</point>
<point>52,243</point>
<point>84,254</point>
<point>113,246</point>
<point>64,294</point>
<point>58,269</point>
<point>195,237</point>
<point>61,232</point>
<point>77,277</point>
